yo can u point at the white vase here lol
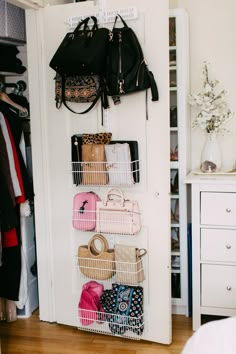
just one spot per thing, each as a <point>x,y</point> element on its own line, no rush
<point>211,154</point>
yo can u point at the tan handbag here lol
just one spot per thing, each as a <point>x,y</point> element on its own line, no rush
<point>93,164</point>
<point>96,263</point>
<point>129,265</point>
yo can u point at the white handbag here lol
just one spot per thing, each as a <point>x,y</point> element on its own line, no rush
<point>119,215</point>
<point>119,164</point>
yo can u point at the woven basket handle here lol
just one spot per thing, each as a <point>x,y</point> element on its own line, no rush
<point>94,252</point>
<point>116,192</point>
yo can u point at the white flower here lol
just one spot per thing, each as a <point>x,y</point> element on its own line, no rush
<point>211,106</point>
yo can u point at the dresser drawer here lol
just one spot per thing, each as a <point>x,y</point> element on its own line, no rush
<point>218,286</point>
<point>218,245</point>
<point>218,209</point>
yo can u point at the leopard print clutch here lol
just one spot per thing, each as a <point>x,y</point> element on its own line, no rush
<point>98,138</point>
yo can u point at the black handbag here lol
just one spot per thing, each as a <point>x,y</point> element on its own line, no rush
<point>82,52</point>
<point>127,70</point>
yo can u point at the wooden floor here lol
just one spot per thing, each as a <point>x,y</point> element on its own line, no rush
<point>36,337</point>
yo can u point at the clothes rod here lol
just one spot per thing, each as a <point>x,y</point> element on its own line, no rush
<point>103,16</point>
<point>19,85</point>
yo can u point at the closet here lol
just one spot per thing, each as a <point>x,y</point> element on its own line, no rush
<point>14,96</point>
<point>60,283</point>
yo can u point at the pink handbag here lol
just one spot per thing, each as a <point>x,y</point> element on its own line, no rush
<point>84,211</point>
<point>119,215</point>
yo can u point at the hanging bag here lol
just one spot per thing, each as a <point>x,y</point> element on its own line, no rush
<point>79,62</point>
<point>82,52</point>
<point>93,164</point>
<point>96,263</point>
<point>84,207</point>
<point>117,215</point>
<point>119,165</point>
<point>127,69</point>
<point>129,265</point>
<point>78,89</point>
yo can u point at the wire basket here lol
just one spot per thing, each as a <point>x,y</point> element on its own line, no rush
<point>103,173</point>
<point>115,271</point>
<point>111,324</point>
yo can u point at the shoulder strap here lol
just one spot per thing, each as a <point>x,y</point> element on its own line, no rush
<point>153,85</point>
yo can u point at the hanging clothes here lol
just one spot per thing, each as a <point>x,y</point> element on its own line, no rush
<point>15,189</point>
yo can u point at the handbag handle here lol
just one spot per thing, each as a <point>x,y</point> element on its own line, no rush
<point>142,252</point>
<point>85,22</point>
<point>116,192</point>
<point>124,23</point>
<point>94,252</point>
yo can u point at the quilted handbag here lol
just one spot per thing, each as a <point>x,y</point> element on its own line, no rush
<point>129,265</point>
<point>123,307</point>
<point>119,215</point>
<point>119,164</point>
<point>96,263</point>
<point>84,211</point>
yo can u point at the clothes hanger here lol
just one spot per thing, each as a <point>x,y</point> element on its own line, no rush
<point>5,98</point>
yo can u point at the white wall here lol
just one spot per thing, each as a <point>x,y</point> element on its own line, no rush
<point>212,39</point>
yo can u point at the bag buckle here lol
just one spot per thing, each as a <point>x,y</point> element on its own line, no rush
<point>121,83</point>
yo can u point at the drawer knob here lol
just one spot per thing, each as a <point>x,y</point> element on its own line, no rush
<point>228,210</point>
<point>228,288</point>
<point>228,247</point>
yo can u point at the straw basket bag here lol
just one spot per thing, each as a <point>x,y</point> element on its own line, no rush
<point>96,263</point>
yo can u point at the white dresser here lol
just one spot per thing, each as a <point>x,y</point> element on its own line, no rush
<point>213,208</point>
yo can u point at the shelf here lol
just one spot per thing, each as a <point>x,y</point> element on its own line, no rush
<point>175,253</point>
<point>179,121</point>
<point>174,165</point>
<point>174,196</point>
<point>7,73</point>
<point>175,224</point>
<point>104,173</point>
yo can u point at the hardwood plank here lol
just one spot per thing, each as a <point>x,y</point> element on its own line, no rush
<point>31,336</point>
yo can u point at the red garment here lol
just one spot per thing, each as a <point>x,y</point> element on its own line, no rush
<point>9,238</point>
<point>20,199</point>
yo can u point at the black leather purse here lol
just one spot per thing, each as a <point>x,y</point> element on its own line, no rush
<point>82,52</point>
<point>126,69</point>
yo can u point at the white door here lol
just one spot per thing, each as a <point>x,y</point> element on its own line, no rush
<point>57,241</point>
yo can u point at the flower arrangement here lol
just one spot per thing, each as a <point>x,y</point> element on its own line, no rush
<point>213,112</point>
